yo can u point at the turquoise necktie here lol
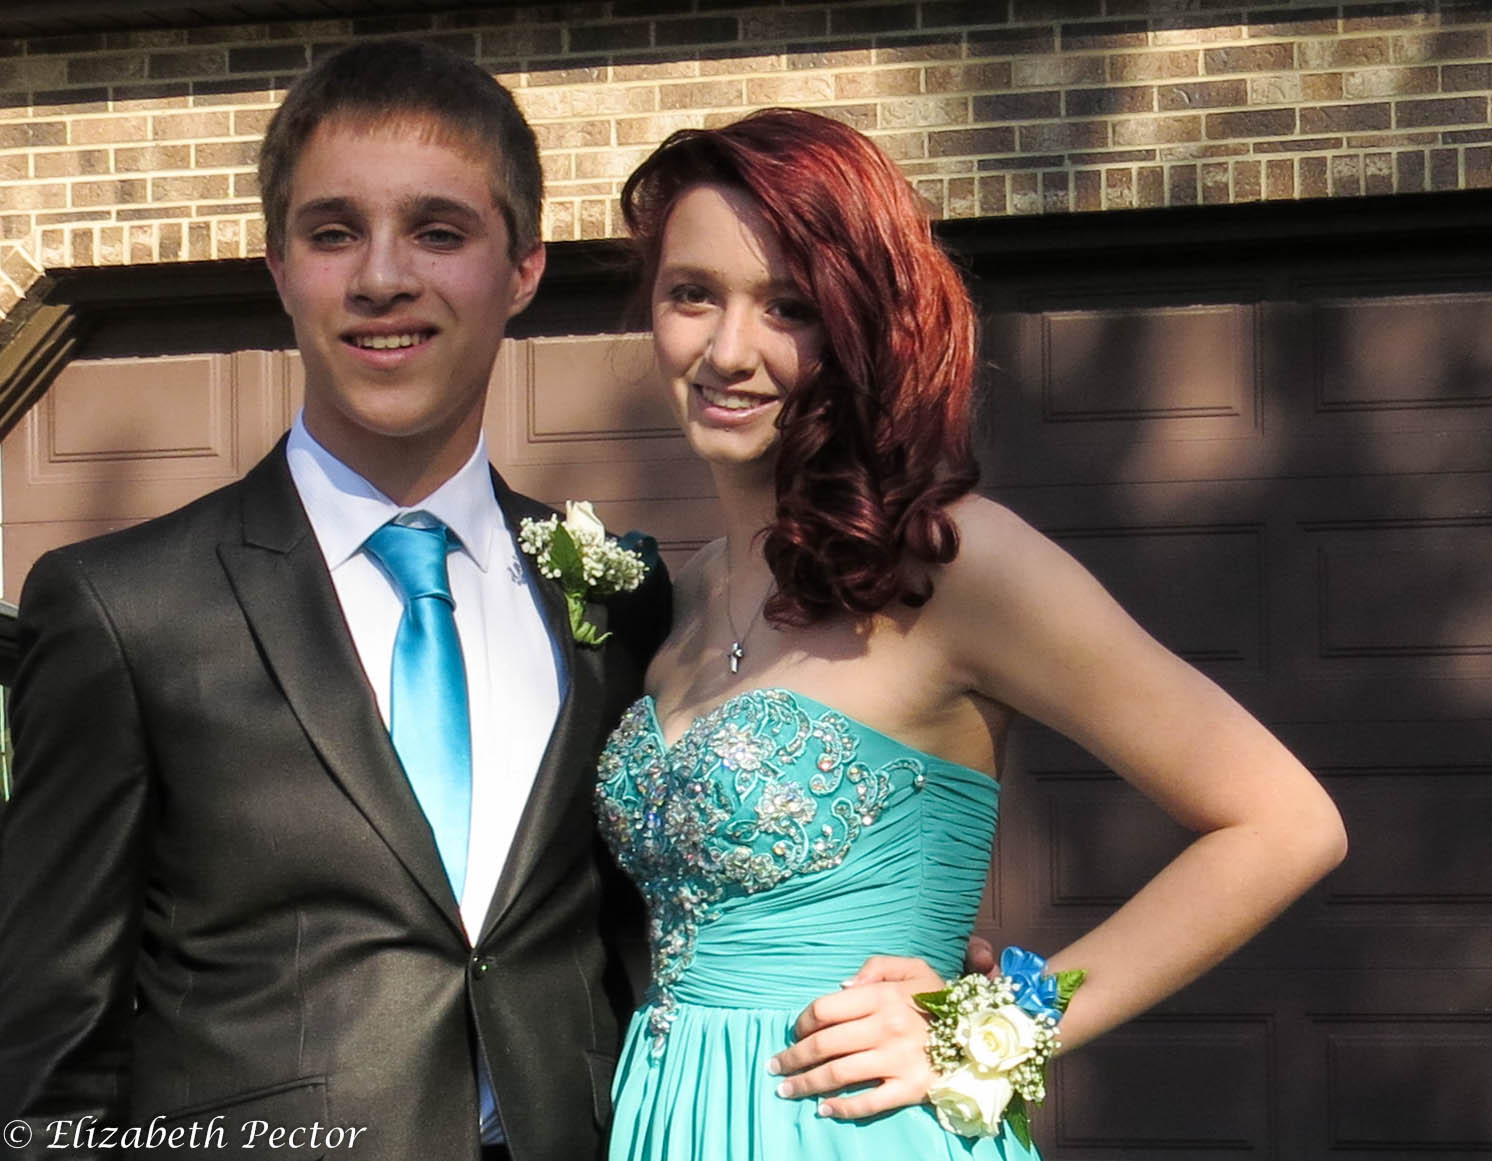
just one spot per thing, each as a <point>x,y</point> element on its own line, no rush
<point>428,716</point>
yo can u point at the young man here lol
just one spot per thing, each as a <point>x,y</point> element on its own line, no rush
<point>237,912</point>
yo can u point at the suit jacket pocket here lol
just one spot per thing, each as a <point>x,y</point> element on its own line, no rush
<point>281,1122</point>
<point>602,1067</point>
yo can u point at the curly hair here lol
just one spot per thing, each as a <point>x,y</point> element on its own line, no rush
<point>875,444</point>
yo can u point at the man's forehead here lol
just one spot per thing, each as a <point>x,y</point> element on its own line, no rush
<point>414,128</point>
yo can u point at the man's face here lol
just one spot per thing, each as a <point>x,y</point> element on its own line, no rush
<point>396,275</point>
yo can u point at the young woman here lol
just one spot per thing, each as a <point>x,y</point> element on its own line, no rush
<point>812,777</point>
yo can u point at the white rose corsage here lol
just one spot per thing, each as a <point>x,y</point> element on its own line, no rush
<point>989,1042</point>
<point>588,564</point>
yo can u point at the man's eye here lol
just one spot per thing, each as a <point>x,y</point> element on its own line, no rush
<point>330,236</point>
<point>441,238</point>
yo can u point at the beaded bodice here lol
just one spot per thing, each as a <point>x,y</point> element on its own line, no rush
<point>766,789</point>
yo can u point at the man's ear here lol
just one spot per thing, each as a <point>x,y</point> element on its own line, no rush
<point>526,275</point>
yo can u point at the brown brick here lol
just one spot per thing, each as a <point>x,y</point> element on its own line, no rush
<point>1119,189</point>
<point>1251,123</point>
<point>1478,162</point>
<point>170,244</point>
<point>1379,16</point>
<point>1446,111</point>
<point>251,122</point>
<point>1390,82</point>
<point>1043,72</point>
<point>146,38</point>
<point>905,146</point>
<point>993,198</point>
<point>151,97</point>
<point>277,58</point>
<point>32,72</point>
<point>573,134</point>
<point>1021,162</point>
<point>1321,87</point>
<point>909,112</point>
<point>1298,23</point>
<point>611,36</point>
<point>111,246</point>
<point>33,133</point>
<point>1025,194</point>
<point>72,163</point>
<point>701,94</point>
<point>1345,118</point>
<point>1411,171</point>
<point>93,70</point>
<point>963,198</point>
<point>765,26</point>
<point>1111,157</point>
<point>1249,58</point>
<point>1087,190</point>
<point>189,188</point>
<point>651,130</point>
<point>1298,145</point>
<point>1064,136</point>
<point>1018,106</point>
<point>1097,102</point>
<point>121,192</point>
<point>190,126</point>
<point>520,41</point>
<point>1048,10</point>
<point>971,78</point>
<point>854,86</point>
<point>1279,179</point>
<point>1202,95</point>
<point>1248,181</point>
<point>861,117</point>
<point>1150,186</point>
<point>848,20</point>
<point>592,72</point>
<point>1215,189</point>
<point>1347,52</point>
<point>225,239</point>
<point>1378,173</point>
<point>979,142</point>
<point>815,56</point>
<point>1453,137</point>
<point>1056,192</point>
<point>1346,176</point>
<point>141,244</point>
<point>80,247</point>
<point>151,213</point>
<point>1196,151</point>
<point>14,226</point>
<point>1011,41</point>
<point>222,155</point>
<point>927,49</point>
<point>53,248</point>
<point>199,62</point>
<point>1458,78</point>
<point>32,197</point>
<point>1114,34</point>
<point>1181,181</point>
<point>199,241</point>
<point>69,102</point>
<point>1157,130</point>
<point>1445,169</point>
<point>74,217</point>
<point>931,193</point>
<point>1467,44</point>
<point>9,300</point>
<point>1186,30</point>
<point>1154,66</point>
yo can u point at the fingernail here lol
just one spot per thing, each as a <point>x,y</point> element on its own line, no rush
<point>773,1067</point>
<point>783,1090</point>
<point>823,1109</point>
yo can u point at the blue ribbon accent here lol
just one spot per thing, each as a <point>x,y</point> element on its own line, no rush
<point>1035,992</point>
<point>642,544</point>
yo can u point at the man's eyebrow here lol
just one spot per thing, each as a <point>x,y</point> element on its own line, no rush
<point>326,207</point>
<point>437,206</point>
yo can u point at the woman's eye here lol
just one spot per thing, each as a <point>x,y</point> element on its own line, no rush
<point>689,294</point>
<point>795,311</point>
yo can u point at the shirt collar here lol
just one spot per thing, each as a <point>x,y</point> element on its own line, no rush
<point>345,509</point>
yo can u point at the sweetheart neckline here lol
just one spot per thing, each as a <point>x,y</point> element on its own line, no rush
<point>670,747</point>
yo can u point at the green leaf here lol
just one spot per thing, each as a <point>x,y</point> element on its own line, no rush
<point>583,631</point>
<point>1067,983</point>
<point>1019,1122</point>
<point>565,556</point>
<point>934,1004</point>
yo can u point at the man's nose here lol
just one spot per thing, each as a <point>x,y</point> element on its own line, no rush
<point>385,273</point>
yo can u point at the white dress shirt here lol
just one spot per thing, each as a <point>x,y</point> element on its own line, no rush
<point>514,671</point>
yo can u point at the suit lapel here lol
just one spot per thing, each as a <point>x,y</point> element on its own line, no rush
<point>567,755</point>
<point>281,581</point>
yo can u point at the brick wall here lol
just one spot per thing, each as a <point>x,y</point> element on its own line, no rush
<point>138,147</point>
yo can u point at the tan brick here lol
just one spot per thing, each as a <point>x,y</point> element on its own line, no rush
<point>223,154</point>
<point>963,198</point>
<point>1215,188</point>
<point>151,158</point>
<point>227,239</point>
<point>583,134</point>
<point>651,130</point>
<point>918,51</point>
<point>9,300</point>
<point>122,192</point>
<point>18,267</point>
<point>108,130</point>
<point>904,146</point>
<point>1378,173</point>
<point>1197,151</point>
<point>735,66</point>
<point>1278,89</point>
<point>190,188</point>
<point>1279,178</point>
<point>1025,194</point>
<point>72,163</point>
<point>251,122</point>
<point>1392,140</point>
<point>1249,58</point>
<point>1154,66</point>
<point>246,185</point>
<point>1187,32</point>
<point>615,163</point>
<point>32,197</point>
<point>31,134</point>
<point>142,244</point>
<point>668,70</point>
<point>791,89</point>
<point>931,193</point>
<point>993,194</point>
<point>593,218</point>
<point>1202,95</point>
<point>1042,72</point>
<point>1321,87</point>
<point>1344,52</point>
<point>830,59</point>
<point>1157,130</point>
<point>1248,181</point>
<point>253,239</point>
<point>1390,82</point>
<point>1118,189</point>
<point>14,226</point>
<point>111,246</point>
<point>701,95</point>
<point>559,220</point>
<point>1346,175</point>
<point>199,241</point>
<point>190,126</point>
<point>906,112</point>
<point>53,248</point>
<point>80,250</point>
<point>900,82</point>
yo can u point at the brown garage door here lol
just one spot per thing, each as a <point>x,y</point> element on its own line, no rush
<point>1272,446</point>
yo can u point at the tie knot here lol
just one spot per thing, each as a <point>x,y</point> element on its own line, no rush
<point>414,559</point>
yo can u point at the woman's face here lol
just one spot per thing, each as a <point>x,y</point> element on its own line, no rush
<point>731,333</point>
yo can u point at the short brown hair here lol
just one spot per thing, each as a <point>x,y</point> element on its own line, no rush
<point>379,80</point>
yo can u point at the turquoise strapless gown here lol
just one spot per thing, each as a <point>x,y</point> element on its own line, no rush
<point>779,844</point>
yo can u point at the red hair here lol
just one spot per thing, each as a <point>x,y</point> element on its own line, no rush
<point>875,444</point>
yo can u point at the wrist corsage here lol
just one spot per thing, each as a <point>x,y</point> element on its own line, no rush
<point>587,563</point>
<point>989,1042</point>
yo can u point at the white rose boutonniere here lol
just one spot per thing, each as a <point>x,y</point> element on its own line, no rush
<point>588,564</point>
<point>989,1042</point>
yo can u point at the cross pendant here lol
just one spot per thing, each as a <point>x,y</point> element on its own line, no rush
<point>734,656</point>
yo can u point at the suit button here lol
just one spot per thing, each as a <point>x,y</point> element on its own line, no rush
<point>479,966</point>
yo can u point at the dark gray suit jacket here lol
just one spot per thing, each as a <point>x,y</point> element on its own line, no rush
<point>219,897</point>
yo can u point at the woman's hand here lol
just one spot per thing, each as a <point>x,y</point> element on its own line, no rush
<point>870,1033</point>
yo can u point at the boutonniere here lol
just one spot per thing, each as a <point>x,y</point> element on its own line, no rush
<point>588,564</point>
<point>989,1042</point>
